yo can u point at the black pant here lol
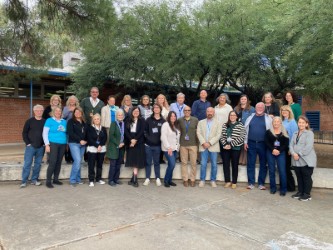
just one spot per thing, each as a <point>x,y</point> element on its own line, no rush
<point>226,156</point>
<point>114,170</point>
<point>95,159</point>
<point>57,152</point>
<point>290,177</point>
<point>304,179</point>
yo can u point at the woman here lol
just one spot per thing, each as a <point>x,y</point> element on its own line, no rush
<point>153,143</point>
<point>162,101</point>
<point>291,127</point>
<point>55,140</point>
<point>277,141</point>
<point>116,147</point>
<point>271,106</point>
<point>96,138</point>
<point>67,114</point>
<point>77,129</point>
<point>144,107</point>
<point>55,101</point>
<point>232,139</point>
<point>243,111</point>
<point>71,104</point>
<point>170,135</point>
<point>108,113</point>
<point>304,158</point>
<point>126,105</point>
<point>134,142</point>
<point>222,109</point>
<point>290,99</point>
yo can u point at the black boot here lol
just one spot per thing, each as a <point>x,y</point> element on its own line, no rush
<point>135,181</point>
<point>131,182</point>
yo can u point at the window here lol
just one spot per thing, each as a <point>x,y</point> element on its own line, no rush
<point>314,119</point>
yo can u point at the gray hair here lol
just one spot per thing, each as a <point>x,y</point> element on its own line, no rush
<point>180,94</point>
<point>120,111</point>
<point>226,97</point>
<point>38,106</point>
<point>283,129</point>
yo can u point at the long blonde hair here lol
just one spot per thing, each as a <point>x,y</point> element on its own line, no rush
<point>283,129</point>
<point>124,98</point>
<point>165,103</point>
<point>77,104</point>
<point>287,108</point>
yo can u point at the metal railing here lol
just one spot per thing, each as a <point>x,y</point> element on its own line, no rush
<point>323,137</point>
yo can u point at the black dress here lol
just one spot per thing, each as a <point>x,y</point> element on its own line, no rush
<point>135,156</point>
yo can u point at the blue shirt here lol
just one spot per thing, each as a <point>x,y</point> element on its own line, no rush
<point>199,109</point>
<point>57,132</point>
<point>290,126</point>
<point>179,110</point>
<point>257,128</point>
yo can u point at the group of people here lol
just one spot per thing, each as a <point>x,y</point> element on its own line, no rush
<point>143,134</point>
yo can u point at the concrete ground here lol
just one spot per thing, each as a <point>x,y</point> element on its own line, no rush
<point>152,217</point>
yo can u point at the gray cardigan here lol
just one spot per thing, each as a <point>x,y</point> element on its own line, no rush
<point>304,148</point>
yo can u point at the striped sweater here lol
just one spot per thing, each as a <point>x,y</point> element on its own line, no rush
<point>237,135</point>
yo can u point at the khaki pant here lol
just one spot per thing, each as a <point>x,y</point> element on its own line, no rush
<point>185,153</point>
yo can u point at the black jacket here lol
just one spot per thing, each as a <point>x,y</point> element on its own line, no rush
<point>76,131</point>
<point>153,131</point>
<point>138,135</point>
<point>94,139</point>
<point>270,139</point>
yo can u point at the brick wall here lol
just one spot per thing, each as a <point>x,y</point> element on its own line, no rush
<point>326,112</point>
<point>13,114</point>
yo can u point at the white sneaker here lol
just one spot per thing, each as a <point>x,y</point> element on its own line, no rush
<point>147,181</point>
<point>158,182</point>
<point>23,185</point>
<point>36,183</point>
<point>201,184</point>
<point>91,184</point>
<point>213,183</point>
<point>101,182</point>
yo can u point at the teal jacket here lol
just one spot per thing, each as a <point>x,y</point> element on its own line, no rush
<point>114,141</point>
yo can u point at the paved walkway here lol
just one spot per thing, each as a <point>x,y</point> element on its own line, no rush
<point>153,217</point>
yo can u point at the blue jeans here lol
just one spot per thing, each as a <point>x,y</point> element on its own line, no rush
<point>77,152</point>
<point>204,159</point>
<point>171,165</point>
<point>255,148</point>
<point>29,154</point>
<point>281,165</point>
<point>153,154</point>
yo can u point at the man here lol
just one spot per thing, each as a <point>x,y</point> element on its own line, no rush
<point>178,106</point>
<point>32,136</point>
<point>256,126</point>
<point>209,133</point>
<point>153,143</point>
<point>91,105</point>
<point>188,145</point>
<point>200,106</point>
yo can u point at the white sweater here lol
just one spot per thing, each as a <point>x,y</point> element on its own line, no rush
<point>169,138</point>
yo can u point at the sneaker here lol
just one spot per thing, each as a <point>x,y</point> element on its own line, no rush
<point>213,184</point>
<point>36,183</point>
<point>158,182</point>
<point>233,186</point>
<point>146,183</point>
<point>101,182</point>
<point>201,184</point>
<point>250,187</point>
<point>262,187</point>
<point>91,184</point>
<point>297,195</point>
<point>80,183</point>
<point>23,185</point>
<point>73,184</point>
<point>227,185</point>
<point>305,197</point>
<point>112,183</point>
